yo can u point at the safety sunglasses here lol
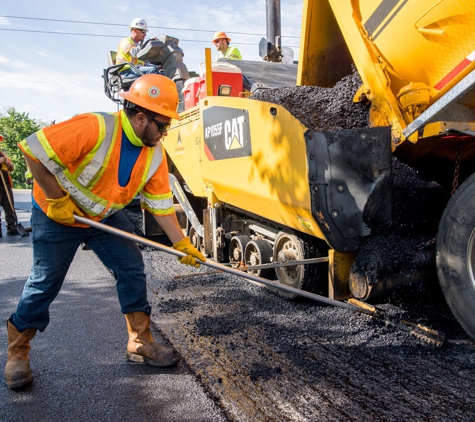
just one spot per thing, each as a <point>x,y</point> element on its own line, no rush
<point>162,127</point>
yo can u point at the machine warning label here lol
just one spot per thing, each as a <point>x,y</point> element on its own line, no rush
<point>226,133</point>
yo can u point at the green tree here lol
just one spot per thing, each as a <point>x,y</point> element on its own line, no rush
<point>15,127</point>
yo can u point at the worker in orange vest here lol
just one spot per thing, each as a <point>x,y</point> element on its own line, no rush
<point>93,165</point>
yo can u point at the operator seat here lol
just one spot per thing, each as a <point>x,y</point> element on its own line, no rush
<point>113,81</point>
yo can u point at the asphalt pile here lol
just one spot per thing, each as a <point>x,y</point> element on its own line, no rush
<point>406,177</point>
<point>321,109</point>
<point>406,248</point>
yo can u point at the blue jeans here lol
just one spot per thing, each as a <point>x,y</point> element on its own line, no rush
<point>54,247</point>
<point>132,73</point>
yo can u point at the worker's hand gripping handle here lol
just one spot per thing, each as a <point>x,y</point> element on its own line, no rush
<point>62,210</point>
<point>185,246</point>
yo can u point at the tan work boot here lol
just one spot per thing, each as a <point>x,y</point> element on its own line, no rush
<point>17,370</point>
<point>141,346</point>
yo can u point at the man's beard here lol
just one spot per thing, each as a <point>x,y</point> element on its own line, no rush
<point>148,139</point>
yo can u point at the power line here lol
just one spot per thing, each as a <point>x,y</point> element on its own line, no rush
<point>113,36</point>
<point>118,24</point>
<point>61,33</point>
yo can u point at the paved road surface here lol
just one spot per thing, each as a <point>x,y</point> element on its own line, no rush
<point>79,364</point>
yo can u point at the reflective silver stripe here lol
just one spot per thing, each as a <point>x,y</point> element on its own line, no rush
<point>157,204</point>
<point>36,147</point>
<point>96,163</point>
<point>92,205</point>
<point>156,161</point>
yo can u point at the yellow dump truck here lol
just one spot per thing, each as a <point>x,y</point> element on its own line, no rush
<point>366,158</point>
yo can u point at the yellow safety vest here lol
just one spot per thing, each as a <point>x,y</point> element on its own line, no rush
<point>123,53</point>
<point>232,53</point>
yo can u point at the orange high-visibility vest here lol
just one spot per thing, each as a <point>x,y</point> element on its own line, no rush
<point>83,154</point>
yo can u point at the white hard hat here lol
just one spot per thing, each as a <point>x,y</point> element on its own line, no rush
<point>139,23</point>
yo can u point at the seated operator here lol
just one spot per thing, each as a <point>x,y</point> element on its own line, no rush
<point>221,41</point>
<point>130,47</point>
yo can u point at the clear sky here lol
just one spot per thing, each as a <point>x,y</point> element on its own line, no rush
<point>52,75</point>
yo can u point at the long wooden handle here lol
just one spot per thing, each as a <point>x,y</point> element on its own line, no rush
<point>218,266</point>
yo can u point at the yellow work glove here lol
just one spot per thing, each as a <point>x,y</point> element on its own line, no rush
<point>62,209</point>
<point>184,245</point>
<point>4,167</point>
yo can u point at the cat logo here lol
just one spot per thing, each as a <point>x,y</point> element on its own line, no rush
<point>233,133</point>
<point>226,133</point>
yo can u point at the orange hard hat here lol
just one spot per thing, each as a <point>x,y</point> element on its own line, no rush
<point>156,93</point>
<point>1,138</point>
<point>221,35</point>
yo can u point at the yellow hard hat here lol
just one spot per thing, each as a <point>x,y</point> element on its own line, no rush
<point>156,93</point>
<point>220,35</point>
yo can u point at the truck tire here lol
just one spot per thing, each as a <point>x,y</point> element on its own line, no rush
<point>456,255</point>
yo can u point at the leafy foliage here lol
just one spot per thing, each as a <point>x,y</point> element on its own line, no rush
<point>15,127</point>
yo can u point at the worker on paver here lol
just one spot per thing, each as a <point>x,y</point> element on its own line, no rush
<point>130,47</point>
<point>93,165</point>
<point>225,51</point>
<point>6,193</point>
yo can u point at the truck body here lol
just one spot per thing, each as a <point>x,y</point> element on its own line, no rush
<point>388,203</point>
